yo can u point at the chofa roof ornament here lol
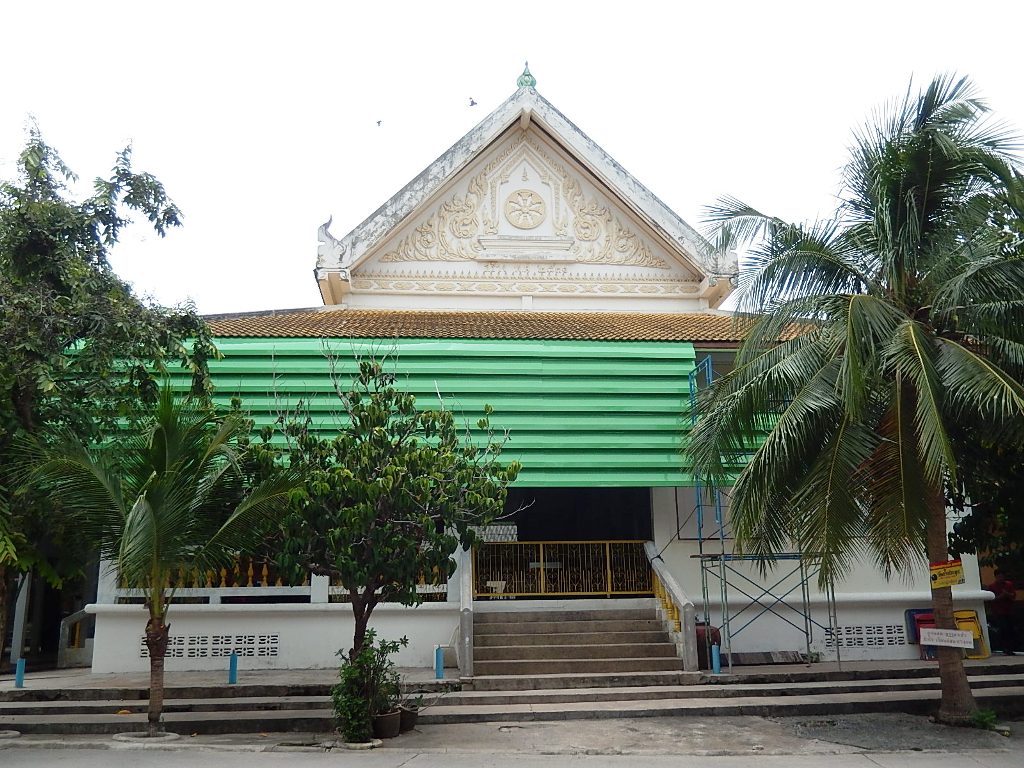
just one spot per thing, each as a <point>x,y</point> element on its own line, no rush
<point>526,80</point>
<point>330,251</point>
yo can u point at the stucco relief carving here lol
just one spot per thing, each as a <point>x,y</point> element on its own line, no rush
<point>453,231</point>
<point>525,209</point>
<point>520,280</point>
<point>527,154</point>
<point>448,235</point>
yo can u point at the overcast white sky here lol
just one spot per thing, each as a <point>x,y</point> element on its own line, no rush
<point>261,118</point>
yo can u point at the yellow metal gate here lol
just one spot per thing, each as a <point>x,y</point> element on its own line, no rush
<point>560,568</point>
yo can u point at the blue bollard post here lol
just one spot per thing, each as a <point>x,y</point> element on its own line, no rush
<point>439,662</point>
<point>233,669</point>
<point>19,674</point>
<point>716,659</point>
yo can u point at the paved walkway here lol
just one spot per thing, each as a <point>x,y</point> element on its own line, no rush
<point>854,741</point>
<point>84,678</point>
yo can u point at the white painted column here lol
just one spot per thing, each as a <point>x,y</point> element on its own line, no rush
<point>465,582</point>
<point>319,589</point>
<point>106,583</point>
<point>455,580</point>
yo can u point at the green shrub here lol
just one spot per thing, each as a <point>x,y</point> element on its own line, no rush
<point>368,685</point>
<point>351,708</point>
<point>985,719</point>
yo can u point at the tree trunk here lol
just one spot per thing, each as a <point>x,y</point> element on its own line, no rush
<point>362,619</point>
<point>4,608</point>
<point>157,633</point>
<point>23,400</point>
<point>958,705</point>
<point>363,604</point>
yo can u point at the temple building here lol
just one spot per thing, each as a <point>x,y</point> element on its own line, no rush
<point>526,269</point>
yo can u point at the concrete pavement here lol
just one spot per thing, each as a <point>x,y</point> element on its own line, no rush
<point>74,679</point>
<point>405,759</point>
<point>817,739</point>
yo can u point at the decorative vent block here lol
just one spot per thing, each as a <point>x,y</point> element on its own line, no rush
<point>212,646</point>
<point>498,532</point>
<point>866,636</point>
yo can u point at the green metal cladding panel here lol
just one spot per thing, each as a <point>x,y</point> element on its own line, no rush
<point>579,413</point>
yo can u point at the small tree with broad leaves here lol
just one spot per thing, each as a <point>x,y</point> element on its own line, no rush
<point>387,502</point>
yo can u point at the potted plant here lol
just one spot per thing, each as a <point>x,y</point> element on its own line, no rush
<point>410,709</point>
<point>366,697</point>
<point>384,689</point>
<point>351,705</point>
<point>387,717</point>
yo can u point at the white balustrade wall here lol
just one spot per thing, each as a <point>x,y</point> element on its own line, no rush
<point>208,624</point>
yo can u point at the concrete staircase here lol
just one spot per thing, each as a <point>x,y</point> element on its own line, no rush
<point>263,708</point>
<point>571,648</point>
<point>614,661</point>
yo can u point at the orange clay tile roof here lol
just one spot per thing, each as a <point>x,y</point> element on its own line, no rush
<point>378,323</point>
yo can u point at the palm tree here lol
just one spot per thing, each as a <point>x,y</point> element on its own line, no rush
<point>869,337</point>
<point>166,500</point>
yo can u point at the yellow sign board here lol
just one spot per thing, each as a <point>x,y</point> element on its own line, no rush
<point>946,574</point>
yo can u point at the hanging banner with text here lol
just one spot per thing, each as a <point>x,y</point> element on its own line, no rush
<point>946,574</point>
<point>947,638</point>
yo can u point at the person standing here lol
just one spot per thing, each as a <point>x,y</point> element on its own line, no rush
<point>1002,612</point>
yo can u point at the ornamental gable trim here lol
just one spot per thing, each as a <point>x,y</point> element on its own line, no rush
<point>525,205</point>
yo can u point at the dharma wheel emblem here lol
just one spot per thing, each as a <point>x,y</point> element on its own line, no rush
<point>524,209</point>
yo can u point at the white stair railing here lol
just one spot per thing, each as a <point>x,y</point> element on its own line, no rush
<point>678,609</point>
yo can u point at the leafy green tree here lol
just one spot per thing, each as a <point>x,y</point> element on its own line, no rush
<point>80,351</point>
<point>390,498</point>
<point>871,336</point>
<point>990,494</point>
<point>162,505</point>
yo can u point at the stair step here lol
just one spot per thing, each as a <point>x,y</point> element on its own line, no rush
<point>495,698</point>
<point>541,666</point>
<point>487,640</point>
<point>313,714</point>
<point>552,627</point>
<point>914,701</point>
<point>707,691</point>
<point>137,706</point>
<point>805,673</point>
<point>555,652</point>
<point>603,679</point>
<point>612,614</point>
<point>309,720</point>
<point>180,691</point>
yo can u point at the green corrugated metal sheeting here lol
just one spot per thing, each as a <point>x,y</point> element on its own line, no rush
<point>580,413</point>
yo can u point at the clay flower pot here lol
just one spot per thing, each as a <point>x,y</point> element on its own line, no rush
<point>409,717</point>
<point>387,724</point>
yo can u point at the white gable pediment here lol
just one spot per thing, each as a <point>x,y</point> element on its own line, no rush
<point>524,221</point>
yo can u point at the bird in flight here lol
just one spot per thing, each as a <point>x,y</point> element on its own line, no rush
<point>472,101</point>
<point>378,123</point>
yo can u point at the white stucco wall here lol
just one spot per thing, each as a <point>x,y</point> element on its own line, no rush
<point>296,636</point>
<point>870,609</point>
